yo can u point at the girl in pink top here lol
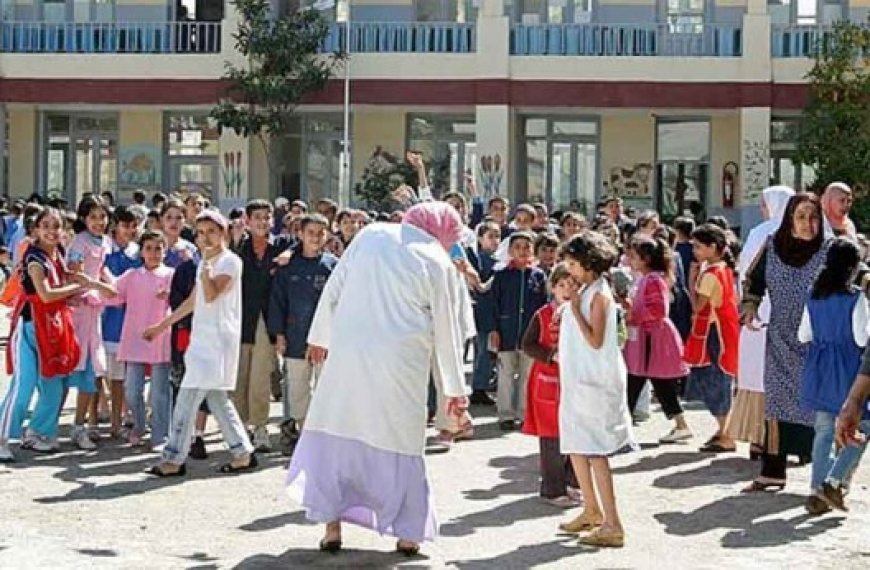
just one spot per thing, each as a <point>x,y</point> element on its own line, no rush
<point>87,254</point>
<point>145,292</point>
<point>653,350</point>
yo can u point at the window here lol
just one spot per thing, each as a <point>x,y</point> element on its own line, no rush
<point>685,16</point>
<point>806,12</point>
<point>682,167</point>
<point>549,11</point>
<point>784,167</point>
<point>7,10</point>
<point>449,144</point>
<point>462,11</point>
<point>560,162</point>
<point>192,147</point>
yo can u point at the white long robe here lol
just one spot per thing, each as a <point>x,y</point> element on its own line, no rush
<point>389,312</point>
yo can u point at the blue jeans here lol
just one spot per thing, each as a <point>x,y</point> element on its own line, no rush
<point>484,364</point>
<point>161,399</point>
<point>829,465</point>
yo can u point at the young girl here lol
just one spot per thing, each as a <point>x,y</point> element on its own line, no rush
<point>47,350</point>
<point>145,292</point>
<point>87,254</point>
<point>711,349</point>
<point>594,421</point>
<point>654,349</point>
<point>834,323</point>
<point>540,342</point>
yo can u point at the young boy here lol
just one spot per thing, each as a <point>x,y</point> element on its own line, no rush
<point>546,252</point>
<point>124,256</point>
<point>294,298</point>
<point>684,227</point>
<point>518,291</point>
<point>212,358</point>
<point>258,250</point>
<point>483,261</point>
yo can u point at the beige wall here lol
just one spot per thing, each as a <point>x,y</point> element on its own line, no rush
<point>258,171</point>
<point>372,128</point>
<point>725,135</point>
<point>141,127</point>
<point>22,152</point>
<point>627,139</point>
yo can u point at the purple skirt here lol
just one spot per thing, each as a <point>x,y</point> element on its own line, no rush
<point>337,478</point>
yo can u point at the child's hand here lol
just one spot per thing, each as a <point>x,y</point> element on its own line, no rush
<point>186,255</point>
<point>494,341</point>
<point>281,345</point>
<point>457,406</point>
<point>152,332</point>
<point>284,258</point>
<point>315,355</point>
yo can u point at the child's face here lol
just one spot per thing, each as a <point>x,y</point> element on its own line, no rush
<point>579,274</point>
<point>313,236</point>
<point>96,221</point>
<point>209,236</point>
<point>49,231</point>
<point>153,223</point>
<point>153,252</point>
<point>4,258</point>
<point>125,232</point>
<point>564,290</point>
<point>172,222</point>
<point>547,256</point>
<point>524,220</point>
<point>490,240</point>
<point>704,252</point>
<point>349,226</point>
<point>635,261</point>
<point>570,228</point>
<point>498,211</point>
<point>260,222</point>
<point>522,252</point>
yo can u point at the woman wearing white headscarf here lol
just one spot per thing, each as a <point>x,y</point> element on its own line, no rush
<point>747,415</point>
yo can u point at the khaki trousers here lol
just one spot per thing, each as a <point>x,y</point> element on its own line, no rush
<point>254,386</point>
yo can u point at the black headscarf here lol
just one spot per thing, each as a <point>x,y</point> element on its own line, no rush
<point>794,251</point>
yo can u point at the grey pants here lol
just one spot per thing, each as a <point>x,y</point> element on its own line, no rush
<point>183,422</point>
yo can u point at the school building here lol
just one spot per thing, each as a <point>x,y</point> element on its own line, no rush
<point>681,105</point>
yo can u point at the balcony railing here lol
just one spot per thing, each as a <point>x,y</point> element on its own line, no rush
<point>403,37</point>
<point>606,40</point>
<point>110,37</point>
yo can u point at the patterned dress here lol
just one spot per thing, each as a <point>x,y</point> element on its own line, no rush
<point>789,289</point>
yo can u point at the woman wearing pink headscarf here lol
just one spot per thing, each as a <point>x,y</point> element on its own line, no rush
<point>389,317</point>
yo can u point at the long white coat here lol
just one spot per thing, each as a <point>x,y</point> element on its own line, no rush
<point>389,314</point>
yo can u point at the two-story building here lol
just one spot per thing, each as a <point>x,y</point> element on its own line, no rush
<point>682,105</point>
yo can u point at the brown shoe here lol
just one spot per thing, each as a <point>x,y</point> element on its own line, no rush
<point>833,496</point>
<point>816,505</point>
<point>586,521</point>
<point>604,537</point>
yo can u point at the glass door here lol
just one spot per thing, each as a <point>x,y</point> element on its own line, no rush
<point>322,168</point>
<point>194,175</point>
<point>96,165</point>
<point>80,155</point>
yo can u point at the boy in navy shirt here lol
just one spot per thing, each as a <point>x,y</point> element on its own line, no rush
<point>518,291</point>
<point>483,261</point>
<point>295,293</point>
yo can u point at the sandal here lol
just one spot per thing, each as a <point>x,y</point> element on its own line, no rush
<point>158,472</point>
<point>586,521</point>
<point>714,445</point>
<point>330,546</point>
<point>758,486</point>
<point>603,538</point>
<point>407,550</point>
<point>229,468</point>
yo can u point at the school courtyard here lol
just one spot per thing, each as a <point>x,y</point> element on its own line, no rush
<point>681,509</point>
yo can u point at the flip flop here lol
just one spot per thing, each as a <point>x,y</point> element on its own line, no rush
<point>228,468</point>
<point>713,446</point>
<point>762,486</point>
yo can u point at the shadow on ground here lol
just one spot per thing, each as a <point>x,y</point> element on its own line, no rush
<point>725,471</point>
<point>520,476</point>
<point>347,558</point>
<point>277,521</point>
<point>661,461</point>
<point>527,556</point>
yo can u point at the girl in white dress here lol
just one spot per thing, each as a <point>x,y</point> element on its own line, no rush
<point>594,420</point>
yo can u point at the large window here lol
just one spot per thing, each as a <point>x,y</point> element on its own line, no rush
<point>549,11</point>
<point>685,16</point>
<point>308,158</point>
<point>78,10</point>
<point>192,144</point>
<point>682,166</point>
<point>806,12</point>
<point>448,144</point>
<point>784,167</point>
<point>560,163</point>
<point>463,11</point>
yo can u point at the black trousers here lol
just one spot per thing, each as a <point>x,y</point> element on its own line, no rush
<point>556,471</point>
<point>666,391</point>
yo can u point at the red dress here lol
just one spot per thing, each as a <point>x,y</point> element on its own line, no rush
<point>728,325</point>
<point>542,392</point>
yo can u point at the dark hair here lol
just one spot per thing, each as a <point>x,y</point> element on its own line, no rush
<point>139,196</point>
<point>342,215</point>
<point>86,206</point>
<point>158,198</point>
<point>193,196</point>
<point>839,268</point>
<point>236,213</point>
<point>521,235</point>
<point>720,221</point>
<point>527,209</point>
<point>572,216</point>
<point>453,194</point>
<point>559,272</point>
<point>684,225</point>
<point>301,204</point>
<point>33,213</point>
<point>308,219</point>
<point>497,198</point>
<point>486,227</point>
<point>333,207</point>
<point>173,203</point>
<point>124,214</point>
<point>258,204</point>
<point>711,234</point>
<point>3,249</point>
<point>151,235</point>
<point>546,240</point>
<point>791,250</point>
<point>627,229</point>
<point>656,253</point>
<point>153,214</point>
<point>41,215</point>
<point>592,250</point>
<point>646,217</point>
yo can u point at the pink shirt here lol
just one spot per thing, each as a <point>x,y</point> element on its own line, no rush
<point>140,290</point>
<point>89,252</point>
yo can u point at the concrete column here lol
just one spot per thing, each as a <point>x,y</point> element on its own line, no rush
<point>754,163</point>
<point>3,188</point>
<point>22,152</point>
<point>756,58</point>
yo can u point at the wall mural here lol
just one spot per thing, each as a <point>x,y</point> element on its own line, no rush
<point>756,168</point>
<point>633,184</point>
<point>491,174</point>
<point>139,168</point>
<point>233,172</point>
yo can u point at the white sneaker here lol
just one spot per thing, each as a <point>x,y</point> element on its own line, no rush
<point>261,440</point>
<point>676,435</point>
<point>81,440</point>
<point>43,445</point>
<point>6,455</point>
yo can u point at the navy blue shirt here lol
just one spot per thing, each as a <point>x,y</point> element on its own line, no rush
<point>517,296</point>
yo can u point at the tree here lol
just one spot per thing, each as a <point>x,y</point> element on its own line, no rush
<point>383,174</point>
<point>835,127</point>
<point>285,64</point>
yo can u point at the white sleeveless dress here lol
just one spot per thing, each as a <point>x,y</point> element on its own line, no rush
<point>593,410</point>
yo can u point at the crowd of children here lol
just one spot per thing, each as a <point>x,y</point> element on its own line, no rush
<point>578,321</point>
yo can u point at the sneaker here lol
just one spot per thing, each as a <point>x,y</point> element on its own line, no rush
<point>94,433</point>
<point>81,440</point>
<point>197,448</point>
<point>261,440</point>
<point>676,435</point>
<point>507,425</point>
<point>289,437</point>
<point>46,445</point>
<point>481,398</point>
<point>6,455</point>
<point>833,496</point>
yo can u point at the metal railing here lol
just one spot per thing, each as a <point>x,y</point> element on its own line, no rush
<point>403,37</point>
<point>606,40</point>
<point>110,37</point>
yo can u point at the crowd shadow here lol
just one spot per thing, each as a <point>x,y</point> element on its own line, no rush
<point>719,472</point>
<point>738,515</point>
<point>662,461</point>
<point>520,475</point>
<point>276,521</point>
<point>499,516</point>
<point>527,556</point>
<point>347,558</point>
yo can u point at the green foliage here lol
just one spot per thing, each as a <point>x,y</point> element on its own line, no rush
<point>383,173</point>
<point>835,128</point>
<point>284,65</point>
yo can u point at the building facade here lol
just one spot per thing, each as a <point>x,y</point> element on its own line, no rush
<point>680,105</point>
